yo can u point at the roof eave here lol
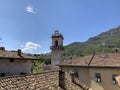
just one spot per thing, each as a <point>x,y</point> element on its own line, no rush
<point>63,65</point>
<point>19,58</point>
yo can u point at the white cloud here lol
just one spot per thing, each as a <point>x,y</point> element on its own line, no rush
<point>46,52</point>
<point>29,47</point>
<point>30,9</point>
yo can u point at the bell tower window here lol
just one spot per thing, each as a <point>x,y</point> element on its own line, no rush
<point>56,43</point>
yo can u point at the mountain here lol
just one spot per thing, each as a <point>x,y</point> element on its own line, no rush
<point>105,41</point>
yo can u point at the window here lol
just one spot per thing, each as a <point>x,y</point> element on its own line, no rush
<point>113,79</point>
<point>2,74</point>
<point>22,73</point>
<point>74,73</point>
<point>56,43</point>
<point>97,77</point>
<point>11,60</point>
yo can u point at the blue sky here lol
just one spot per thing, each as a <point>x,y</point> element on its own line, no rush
<point>29,24</point>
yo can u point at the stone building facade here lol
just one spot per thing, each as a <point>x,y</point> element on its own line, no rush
<point>96,72</point>
<point>14,63</point>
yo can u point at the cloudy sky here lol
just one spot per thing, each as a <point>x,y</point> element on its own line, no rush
<point>29,24</point>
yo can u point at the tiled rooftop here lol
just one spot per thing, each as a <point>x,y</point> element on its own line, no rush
<point>106,59</point>
<point>99,59</point>
<point>40,81</point>
<point>14,54</point>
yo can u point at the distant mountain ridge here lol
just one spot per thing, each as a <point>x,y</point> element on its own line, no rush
<point>105,41</point>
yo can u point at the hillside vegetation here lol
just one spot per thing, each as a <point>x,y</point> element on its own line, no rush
<point>39,64</point>
<point>104,42</point>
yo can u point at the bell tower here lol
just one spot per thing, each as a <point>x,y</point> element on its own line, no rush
<point>57,49</point>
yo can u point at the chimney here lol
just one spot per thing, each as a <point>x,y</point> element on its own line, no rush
<point>2,48</point>
<point>116,50</point>
<point>19,52</point>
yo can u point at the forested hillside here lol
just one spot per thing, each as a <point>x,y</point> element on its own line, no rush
<point>106,41</point>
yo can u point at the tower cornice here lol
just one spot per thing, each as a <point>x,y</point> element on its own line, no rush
<point>57,36</point>
<point>58,47</point>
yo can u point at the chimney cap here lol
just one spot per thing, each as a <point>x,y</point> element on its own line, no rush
<point>19,52</point>
<point>2,48</point>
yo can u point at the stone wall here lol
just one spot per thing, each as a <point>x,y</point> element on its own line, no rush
<point>66,82</point>
<point>15,68</point>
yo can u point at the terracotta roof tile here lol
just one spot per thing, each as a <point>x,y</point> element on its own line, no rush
<point>78,61</point>
<point>99,59</point>
<point>14,54</point>
<point>106,59</point>
<point>30,82</point>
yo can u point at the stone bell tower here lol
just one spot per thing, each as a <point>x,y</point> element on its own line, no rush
<point>57,49</point>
